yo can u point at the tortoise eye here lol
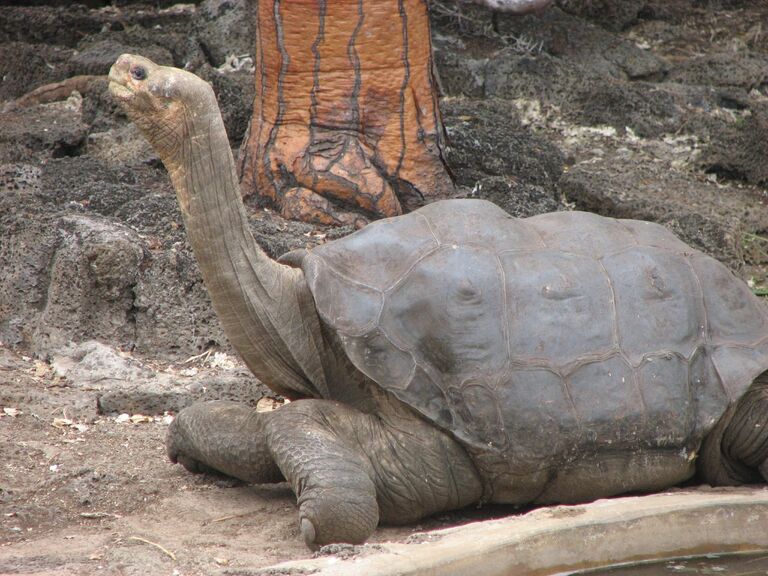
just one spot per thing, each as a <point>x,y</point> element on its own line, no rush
<point>139,73</point>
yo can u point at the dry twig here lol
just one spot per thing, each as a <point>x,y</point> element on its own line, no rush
<point>170,554</point>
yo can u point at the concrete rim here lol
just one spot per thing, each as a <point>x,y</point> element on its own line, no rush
<point>561,539</point>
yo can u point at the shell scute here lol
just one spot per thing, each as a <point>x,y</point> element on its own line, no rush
<point>425,393</point>
<point>658,302</point>
<point>666,391</point>
<point>479,407</point>
<point>607,402</point>
<point>380,359</point>
<point>381,253</point>
<point>560,306</point>
<point>352,309</point>
<point>539,434</point>
<point>446,311</point>
<point>733,313</point>
<point>582,233</point>
<point>481,223</point>
<point>708,392</point>
<point>737,366</point>
<point>655,235</point>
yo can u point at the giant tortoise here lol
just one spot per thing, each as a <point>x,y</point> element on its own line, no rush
<point>457,355</point>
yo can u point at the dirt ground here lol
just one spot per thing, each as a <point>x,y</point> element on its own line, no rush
<point>631,108</point>
<point>86,493</point>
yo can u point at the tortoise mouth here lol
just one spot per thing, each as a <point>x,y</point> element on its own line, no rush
<point>118,86</point>
<point>119,91</point>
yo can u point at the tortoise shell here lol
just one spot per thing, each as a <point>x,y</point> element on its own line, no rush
<point>535,337</point>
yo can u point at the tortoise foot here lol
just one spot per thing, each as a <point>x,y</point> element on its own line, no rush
<point>330,515</point>
<point>224,438</point>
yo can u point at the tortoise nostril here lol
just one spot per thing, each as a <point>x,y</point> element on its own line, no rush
<point>123,62</point>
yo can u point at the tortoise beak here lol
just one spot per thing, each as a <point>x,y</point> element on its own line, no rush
<point>118,79</point>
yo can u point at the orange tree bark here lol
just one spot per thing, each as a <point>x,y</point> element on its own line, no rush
<point>345,123</point>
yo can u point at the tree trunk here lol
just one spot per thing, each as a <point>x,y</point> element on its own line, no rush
<point>345,123</point>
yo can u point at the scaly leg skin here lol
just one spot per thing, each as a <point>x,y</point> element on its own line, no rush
<point>349,470</point>
<point>736,451</point>
<point>225,437</point>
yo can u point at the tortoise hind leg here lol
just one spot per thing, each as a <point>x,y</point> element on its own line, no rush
<point>736,451</point>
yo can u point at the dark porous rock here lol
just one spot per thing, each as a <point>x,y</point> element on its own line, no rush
<point>91,362</point>
<point>19,183</point>
<point>68,25</point>
<point>731,69</point>
<point>168,393</point>
<point>96,249</point>
<point>86,184</point>
<point>459,73</point>
<point>518,199</point>
<point>49,130</point>
<point>485,138</point>
<point>740,149</point>
<point>100,111</point>
<point>277,236</point>
<point>172,312</point>
<point>621,15</point>
<point>63,26</point>
<point>67,277</point>
<point>22,260</point>
<point>501,161</point>
<point>173,17</point>
<point>97,58</point>
<point>648,109</point>
<point>594,49</point>
<point>461,19</point>
<point>235,92</point>
<point>611,14</point>
<point>708,216</point>
<point>119,146</point>
<point>125,385</point>
<point>183,47</point>
<point>24,67</point>
<point>225,28</point>
<point>541,77</point>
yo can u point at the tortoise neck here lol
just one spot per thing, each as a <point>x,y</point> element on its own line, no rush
<point>203,171</point>
<point>254,297</point>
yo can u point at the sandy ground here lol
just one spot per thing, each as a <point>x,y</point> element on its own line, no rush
<point>84,493</point>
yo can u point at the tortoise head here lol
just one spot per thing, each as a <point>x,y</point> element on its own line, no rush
<point>162,101</point>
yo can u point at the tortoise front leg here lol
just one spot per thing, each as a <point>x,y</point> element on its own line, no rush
<point>332,478</point>
<point>224,437</point>
<point>350,470</point>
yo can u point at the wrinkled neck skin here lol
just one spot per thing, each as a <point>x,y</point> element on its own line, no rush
<point>266,308</point>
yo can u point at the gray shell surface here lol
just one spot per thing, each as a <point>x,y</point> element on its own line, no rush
<point>540,337</point>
